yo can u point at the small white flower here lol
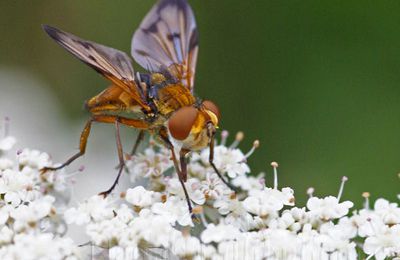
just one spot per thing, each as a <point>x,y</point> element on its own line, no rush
<point>106,232</point>
<point>385,243</point>
<point>5,213</point>
<point>279,243</point>
<point>139,197</point>
<point>150,163</point>
<point>14,185</point>
<point>207,252</point>
<point>173,210</point>
<point>193,187</point>
<point>266,201</point>
<point>389,212</point>
<point>116,253</point>
<point>248,183</point>
<point>14,198</point>
<point>40,246</point>
<point>218,233</point>
<point>228,204</point>
<point>186,246</point>
<point>346,227</point>
<point>6,164</point>
<point>286,220</point>
<point>25,215</point>
<point>246,247</point>
<point>232,161</point>
<point>7,143</point>
<point>6,235</point>
<point>95,208</point>
<point>235,212</point>
<point>33,158</point>
<point>155,229</point>
<point>336,238</point>
<point>212,187</point>
<point>57,180</point>
<point>328,245</point>
<point>196,169</point>
<point>328,207</point>
<point>120,253</point>
<point>124,213</point>
<point>299,215</point>
<point>364,220</point>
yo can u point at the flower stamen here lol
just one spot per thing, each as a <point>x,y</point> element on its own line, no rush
<point>366,202</point>
<point>203,219</point>
<point>344,179</point>
<point>224,137</point>
<point>238,138</point>
<point>275,166</point>
<point>262,181</point>
<point>256,144</point>
<point>72,174</point>
<point>310,192</point>
<point>370,256</point>
<point>6,130</point>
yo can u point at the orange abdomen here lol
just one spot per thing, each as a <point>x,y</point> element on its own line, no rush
<point>112,99</point>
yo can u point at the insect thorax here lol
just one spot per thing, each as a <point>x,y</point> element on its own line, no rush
<point>171,97</point>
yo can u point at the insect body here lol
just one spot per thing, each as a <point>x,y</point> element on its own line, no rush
<point>160,101</point>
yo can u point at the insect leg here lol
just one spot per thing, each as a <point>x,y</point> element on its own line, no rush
<point>86,131</point>
<point>120,157</point>
<point>183,162</point>
<point>137,142</point>
<point>139,124</point>
<point>211,161</point>
<point>182,180</point>
<point>82,148</point>
<point>169,145</point>
<point>135,147</point>
<point>162,133</point>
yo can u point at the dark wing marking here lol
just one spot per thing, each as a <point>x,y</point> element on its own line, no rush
<point>113,64</point>
<point>168,39</point>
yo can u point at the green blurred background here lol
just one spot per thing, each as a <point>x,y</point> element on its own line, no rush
<point>316,81</point>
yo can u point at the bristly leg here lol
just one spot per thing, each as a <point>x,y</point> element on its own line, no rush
<point>181,178</point>
<point>139,139</point>
<point>211,161</point>
<point>181,175</point>
<point>82,148</point>
<point>139,124</point>
<point>120,157</point>
<point>183,162</point>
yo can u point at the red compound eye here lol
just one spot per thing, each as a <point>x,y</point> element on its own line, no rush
<point>212,107</point>
<point>181,122</point>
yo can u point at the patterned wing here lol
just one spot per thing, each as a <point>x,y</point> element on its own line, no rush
<point>112,64</point>
<point>168,39</point>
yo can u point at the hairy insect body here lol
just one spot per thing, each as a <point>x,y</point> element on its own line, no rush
<point>196,140</point>
<point>167,99</point>
<point>172,97</point>
<point>159,101</point>
<point>112,99</point>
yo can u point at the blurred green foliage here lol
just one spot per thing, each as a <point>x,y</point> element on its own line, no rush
<point>316,81</point>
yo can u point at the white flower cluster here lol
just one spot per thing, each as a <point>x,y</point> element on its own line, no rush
<point>31,224</point>
<point>252,222</point>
